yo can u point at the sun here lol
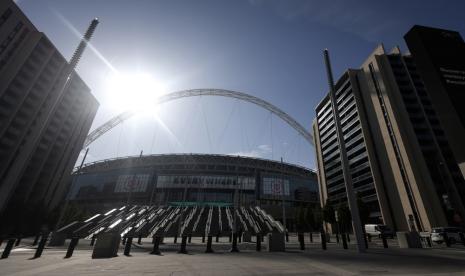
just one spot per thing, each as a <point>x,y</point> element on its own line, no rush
<point>137,92</point>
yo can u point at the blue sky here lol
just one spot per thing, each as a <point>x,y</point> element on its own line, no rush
<point>266,48</point>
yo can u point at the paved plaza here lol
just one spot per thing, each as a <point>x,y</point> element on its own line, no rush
<point>312,261</point>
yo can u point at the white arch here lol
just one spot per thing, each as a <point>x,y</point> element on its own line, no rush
<point>95,134</point>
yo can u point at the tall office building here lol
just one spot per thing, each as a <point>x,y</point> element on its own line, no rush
<point>401,158</point>
<point>44,119</point>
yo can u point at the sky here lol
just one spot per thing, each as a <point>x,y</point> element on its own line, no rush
<point>266,48</point>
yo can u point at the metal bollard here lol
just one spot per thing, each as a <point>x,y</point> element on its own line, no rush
<point>189,240</point>
<point>139,240</point>
<point>217,238</point>
<point>287,236</point>
<point>8,247</point>
<point>344,241</point>
<point>127,247</point>
<point>209,244</point>
<point>259,242</point>
<point>203,238</point>
<point>36,240</point>
<point>18,241</point>
<point>428,241</point>
<point>301,241</point>
<point>240,237</point>
<point>41,246</point>
<point>230,237</point>
<point>92,240</point>
<point>175,239</point>
<point>72,245</point>
<point>156,246</point>
<point>323,240</point>
<point>337,237</point>
<point>446,240</point>
<point>385,244</point>
<point>462,238</point>
<point>182,249</point>
<point>311,237</point>
<point>234,243</point>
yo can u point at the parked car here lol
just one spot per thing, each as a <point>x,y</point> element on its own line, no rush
<point>453,234</point>
<point>378,230</point>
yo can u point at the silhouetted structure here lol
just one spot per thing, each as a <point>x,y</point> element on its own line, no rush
<point>403,150</point>
<point>46,111</point>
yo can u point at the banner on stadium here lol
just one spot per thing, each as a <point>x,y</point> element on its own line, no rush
<point>130,182</point>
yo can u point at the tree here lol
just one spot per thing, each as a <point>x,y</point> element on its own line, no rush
<point>328,213</point>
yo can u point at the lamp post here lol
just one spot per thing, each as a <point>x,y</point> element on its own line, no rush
<point>356,223</point>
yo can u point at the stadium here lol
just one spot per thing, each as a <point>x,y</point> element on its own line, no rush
<point>190,179</point>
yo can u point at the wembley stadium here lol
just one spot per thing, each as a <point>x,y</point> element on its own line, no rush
<point>176,179</point>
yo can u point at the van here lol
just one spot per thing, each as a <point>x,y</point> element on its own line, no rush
<point>378,230</point>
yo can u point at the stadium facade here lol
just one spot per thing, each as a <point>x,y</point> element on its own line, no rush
<point>194,179</point>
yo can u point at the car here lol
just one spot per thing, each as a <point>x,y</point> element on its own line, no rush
<point>378,230</point>
<point>453,234</point>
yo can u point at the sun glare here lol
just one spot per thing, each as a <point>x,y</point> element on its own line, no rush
<point>137,92</point>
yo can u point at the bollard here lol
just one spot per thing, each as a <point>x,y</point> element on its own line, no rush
<point>366,237</point>
<point>428,241</point>
<point>462,238</point>
<point>344,241</point>
<point>203,238</point>
<point>8,247</point>
<point>240,237</point>
<point>139,240</point>
<point>182,249</point>
<point>156,246</point>
<point>287,236</point>
<point>41,246</point>
<point>259,243</point>
<point>1,241</point>
<point>18,241</point>
<point>218,238</point>
<point>446,239</point>
<point>234,243</point>
<point>209,244</point>
<point>189,240</point>
<point>348,238</point>
<point>175,239</point>
<point>36,240</point>
<point>230,237</point>
<point>301,241</point>
<point>385,244</point>
<point>323,240</point>
<point>72,245</point>
<point>92,240</point>
<point>337,237</point>
<point>127,247</point>
<point>311,237</point>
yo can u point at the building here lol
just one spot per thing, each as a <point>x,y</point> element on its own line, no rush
<point>44,119</point>
<point>402,159</point>
<point>194,178</point>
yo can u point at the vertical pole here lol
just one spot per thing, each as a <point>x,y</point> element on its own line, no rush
<point>8,247</point>
<point>209,244</point>
<point>156,246</point>
<point>41,246</point>
<point>72,245</point>
<point>127,247</point>
<point>283,202</point>
<point>356,223</point>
